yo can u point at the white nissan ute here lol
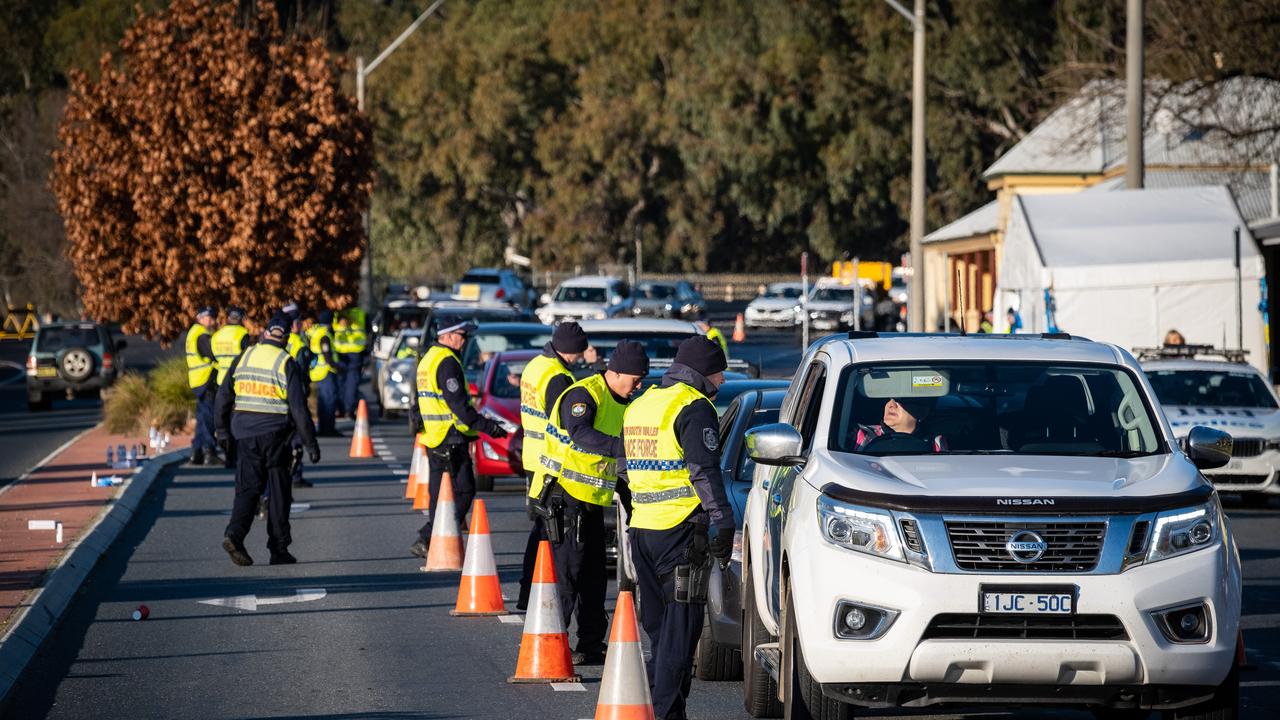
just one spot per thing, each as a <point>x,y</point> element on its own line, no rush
<point>985,520</point>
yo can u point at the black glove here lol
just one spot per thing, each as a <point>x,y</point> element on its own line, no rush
<point>721,546</point>
<point>495,430</point>
<point>314,453</point>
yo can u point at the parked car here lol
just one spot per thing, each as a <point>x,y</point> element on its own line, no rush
<point>394,377</point>
<point>589,297</point>
<point>777,307</point>
<point>499,386</point>
<point>1228,394</point>
<point>494,285</point>
<point>71,358</point>
<point>1026,532</point>
<point>677,300</point>
<point>834,306</point>
<point>481,312</point>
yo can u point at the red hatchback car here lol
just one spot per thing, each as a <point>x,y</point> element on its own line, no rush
<point>499,394</point>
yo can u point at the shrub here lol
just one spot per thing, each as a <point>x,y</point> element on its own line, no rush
<point>161,399</point>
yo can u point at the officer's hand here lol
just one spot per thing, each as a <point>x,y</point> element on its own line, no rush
<point>721,546</point>
<point>314,454</point>
<point>497,431</point>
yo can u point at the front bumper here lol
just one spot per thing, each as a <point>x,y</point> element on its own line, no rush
<point>770,319</point>
<point>892,695</point>
<point>1248,474</point>
<point>823,575</point>
<point>397,397</point>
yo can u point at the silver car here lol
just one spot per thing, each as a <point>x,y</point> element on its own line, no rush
<point>395,377</point>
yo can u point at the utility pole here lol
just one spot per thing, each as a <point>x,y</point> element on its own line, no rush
<point>1135,164</point>
<point>362,72</point>
<point>915,287</point>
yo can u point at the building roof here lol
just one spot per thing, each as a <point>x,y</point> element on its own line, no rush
<point>1186,125</point>
<point>1251,188</point>
<point>982,221</point>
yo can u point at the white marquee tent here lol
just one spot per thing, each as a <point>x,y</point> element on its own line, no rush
<point>1127,266</point>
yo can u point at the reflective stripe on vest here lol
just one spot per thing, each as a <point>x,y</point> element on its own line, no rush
<point>587,476</point>
<point>260,382</point>
<point>662,494</point>
<point>320,367</point>
<point>533,413</point>
<point>342,342</point>
<point>199,368</point>
<point>226,347</point>
<point>437,418</point>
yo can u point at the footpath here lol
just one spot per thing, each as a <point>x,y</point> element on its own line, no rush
<point>54,525</point>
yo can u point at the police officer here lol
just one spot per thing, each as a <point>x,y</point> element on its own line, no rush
<point>260,405</point>
<point>449,422</point>
<point>229,341</point>
<point>580,456</point>
<point>200,377</point>
<point>713,333</point>
<point>671,440</point>
<point>298,350</point>
<point>323,373</point>
<point>351,344</point>
<point>542,382</point>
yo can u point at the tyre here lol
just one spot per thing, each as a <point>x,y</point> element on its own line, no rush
<point>713,661</point>
<point>1222,706</point>
<point>484,483</point>
<point>76,364</point>
<point>759,690</point>
<point>802,696</point>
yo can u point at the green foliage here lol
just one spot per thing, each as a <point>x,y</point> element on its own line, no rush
<point>161,399</point>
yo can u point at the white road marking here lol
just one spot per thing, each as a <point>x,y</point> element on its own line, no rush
<point>299,507</point>
<point>511,619</point>
<point>571,687</point>
<point>251,602</point>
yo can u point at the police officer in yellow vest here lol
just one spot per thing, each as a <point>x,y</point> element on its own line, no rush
<point>351,342</point>
<point>541,384</point>
<point>200,376</point>
<point>580,461</point>
<point>324,373</point>
<point>449,422</point>
<point>713,333</point>
<point>229,341</point>
<point>301,354</point>
<point>671,439</point>
<point>261,404</point>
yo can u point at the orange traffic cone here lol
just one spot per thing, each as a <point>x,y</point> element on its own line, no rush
<point>445,553</point>
<point>624,687</point>
<point>361,446</point>
<point>422,496</point>
<point>544,649</point>
<point>479,593</point>
<point>739,329</point>
<point>415,468</point>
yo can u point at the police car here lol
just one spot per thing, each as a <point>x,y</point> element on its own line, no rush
<point>993,519</point>
<point>1225,393</point>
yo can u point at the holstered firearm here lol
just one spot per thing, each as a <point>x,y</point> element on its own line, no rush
<point>550,507</point>
<point>693,578</point>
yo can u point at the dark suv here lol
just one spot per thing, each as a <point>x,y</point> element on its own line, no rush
<point>76,358</point>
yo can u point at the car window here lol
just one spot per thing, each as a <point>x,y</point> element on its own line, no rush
<point>52,340</point>
<point>833,294</point>
<point>506,379</point>
<point>481,278</point>
<point>572,293</point>
<point>1206,388</point>
<point>655,292</point>
<point>622,290</point>
<point>804,415</point>
<point>992,407</point>
<point>482,346</point>
<point>657,345</point>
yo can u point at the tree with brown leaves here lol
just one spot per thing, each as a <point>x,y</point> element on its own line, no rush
<point>214,162</point>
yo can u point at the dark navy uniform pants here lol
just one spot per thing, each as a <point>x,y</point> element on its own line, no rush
<point>351,367</point>
<point>537,534</point>
<point>205,396</point>
<point>673,628</point>
<point>262,464</point>
<point>455,460</point>
<point>581,575</point>
<point>326,403</point>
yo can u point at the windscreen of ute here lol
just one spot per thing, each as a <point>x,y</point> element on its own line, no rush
<point>55,339</point>
<point>1210,388</point>
<point>569,293</point>
<point>980,408</point>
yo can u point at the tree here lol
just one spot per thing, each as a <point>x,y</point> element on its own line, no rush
<point>217,162</point>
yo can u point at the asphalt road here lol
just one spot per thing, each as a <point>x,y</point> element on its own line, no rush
<point>26,437</point>
<point>380,643</point>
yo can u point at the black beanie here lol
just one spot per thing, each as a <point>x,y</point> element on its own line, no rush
<point>628,358</point>
<point>702,354</point>
<point>918,407</point>
<point>569,338</point>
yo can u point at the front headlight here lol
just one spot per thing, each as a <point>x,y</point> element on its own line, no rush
<point>397,376</point>
<point>861,529</point>
<point>1178,532</point>
<point>602,315</point>
<point>846,317</point>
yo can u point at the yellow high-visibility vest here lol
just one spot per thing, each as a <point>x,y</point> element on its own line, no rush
<point>715,334</point>
<point>260,381</point>
<point>587,476</point>
<point>320,367</point>
<point>226,347</point>
<point>533,412</point>
<point>662,494</point>
<point>437,418</point>
<point>294,344</point>
<point>342,342</point>
<point>199,368</point>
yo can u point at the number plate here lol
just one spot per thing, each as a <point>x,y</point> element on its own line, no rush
<point>46,372</point>
<point>1028,601</point>
<point>469,291</point>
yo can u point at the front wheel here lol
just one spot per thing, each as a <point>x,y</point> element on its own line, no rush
<point>759,689</point>
<point>713,661</point>
<point>1222,706</point>
<point>802,696</point>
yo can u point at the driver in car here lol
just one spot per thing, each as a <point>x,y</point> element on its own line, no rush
<point>901,417</point>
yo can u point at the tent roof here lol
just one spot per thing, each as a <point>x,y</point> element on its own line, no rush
<point>979,222</point>
<point>1135,226</point>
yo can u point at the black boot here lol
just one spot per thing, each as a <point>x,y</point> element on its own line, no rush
<point>418,549</point>
<point>282,558</point>
<point>236,550</point>
<point>197,457</point>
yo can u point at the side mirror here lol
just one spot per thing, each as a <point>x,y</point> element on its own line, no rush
<point>777,444</point>
<point>1208,448</point>
<point>544,299</point>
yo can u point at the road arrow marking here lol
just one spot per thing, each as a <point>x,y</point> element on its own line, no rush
<point>251,602</point>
